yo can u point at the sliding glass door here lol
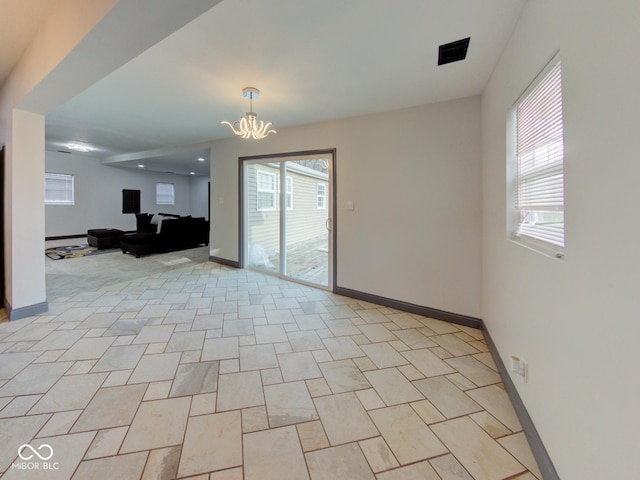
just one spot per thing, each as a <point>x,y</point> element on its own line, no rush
<point>287,217</point>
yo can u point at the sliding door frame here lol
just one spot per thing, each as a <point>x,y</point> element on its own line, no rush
<point>332,214</point>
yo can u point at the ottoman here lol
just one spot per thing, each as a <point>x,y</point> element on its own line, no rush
<point>143,243</point>
<point>104,238</point>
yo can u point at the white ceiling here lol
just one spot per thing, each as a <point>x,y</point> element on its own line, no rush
<point>313,60</point>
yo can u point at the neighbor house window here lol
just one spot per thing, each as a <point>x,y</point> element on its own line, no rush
<point>538,219</point>
<point>165,194</point>
<point>322,196</point>
<point>58,189</point>
<point>267,191</point>
<point>289,194</point>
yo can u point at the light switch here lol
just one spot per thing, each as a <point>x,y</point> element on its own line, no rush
<point>347,205</point>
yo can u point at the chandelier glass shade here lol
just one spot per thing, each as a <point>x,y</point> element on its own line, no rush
<point>248,126</point>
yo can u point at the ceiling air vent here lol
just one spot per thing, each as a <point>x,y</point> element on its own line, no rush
<point>453,52</point>
<point>64,151</point>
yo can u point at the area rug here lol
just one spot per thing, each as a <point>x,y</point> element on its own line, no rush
<point>75,251</point>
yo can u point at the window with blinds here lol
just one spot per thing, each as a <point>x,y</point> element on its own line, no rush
<point>540,163</point>
<point>165,194</point>
<point>58,189</point>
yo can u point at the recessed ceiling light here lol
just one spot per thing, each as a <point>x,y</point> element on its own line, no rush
<point>140,165</point>
<point>79,148</point>
<point>200,159</point>
<point>192,173</point>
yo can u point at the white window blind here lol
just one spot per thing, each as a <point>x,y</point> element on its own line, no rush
<point>58,189</point>
<point>540,163</point>
<point>165,194</point>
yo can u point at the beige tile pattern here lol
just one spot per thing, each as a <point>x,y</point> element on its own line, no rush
<point>106,442</point>
<point>158,423</point>
<point>162,464</point>
<point>150,371</point>
<point>344,461</point>
<point>417,471</point>
<point>446,397</point>
<point>407,435</point>
<point>239,390</point>
<point>122,466</point>
<point>449,468</point>
<point>58,398</point>
<point>427,362</point>
<point>517,445</point>
<point>481,456</point>
<point>392,386</point>
<point>273,455</point>
<point>212,442</point>
<point>298,366</point>
<point>312,436</point>
<point>254,419</point>
<point>344,418</point>
<point>289,403</point>
<point>474,370</point>
<point>59,424</point>
<point>495,401</point>
<point>378,454</point>
<point>343,376</point>
<point>110,407</point>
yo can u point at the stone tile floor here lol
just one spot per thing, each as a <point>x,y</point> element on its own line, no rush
<point>209,372</point>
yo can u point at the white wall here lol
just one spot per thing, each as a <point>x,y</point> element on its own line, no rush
<point>98,195</point>
<point>26,144</point>
<point>199,187</point>
<point>414,178</point>
<point>575,321</point>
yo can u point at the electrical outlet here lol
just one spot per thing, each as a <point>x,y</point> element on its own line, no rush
<point>520,367</point>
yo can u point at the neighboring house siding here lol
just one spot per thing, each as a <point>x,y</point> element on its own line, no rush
<point>304,220</point>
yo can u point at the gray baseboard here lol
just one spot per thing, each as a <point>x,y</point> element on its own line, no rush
<point>224,261</point>
<point>411,308</point>
<point>24,312</point>
<point>545,464</point>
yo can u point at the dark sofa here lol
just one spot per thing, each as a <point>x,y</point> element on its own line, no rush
<point>175,233</point>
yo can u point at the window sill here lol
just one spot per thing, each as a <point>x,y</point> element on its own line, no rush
<point>543,248</point>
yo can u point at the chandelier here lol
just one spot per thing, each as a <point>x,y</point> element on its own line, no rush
<point>248,126</point>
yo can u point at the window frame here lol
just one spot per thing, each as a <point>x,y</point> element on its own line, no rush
<point>289,193</point>
<point>159,200</point>
<point>322,197</point>
<point>69,179</point>
<point>272,192</point>
<point>520,230</point>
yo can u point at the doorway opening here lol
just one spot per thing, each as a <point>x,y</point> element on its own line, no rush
<point>287,214</point>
